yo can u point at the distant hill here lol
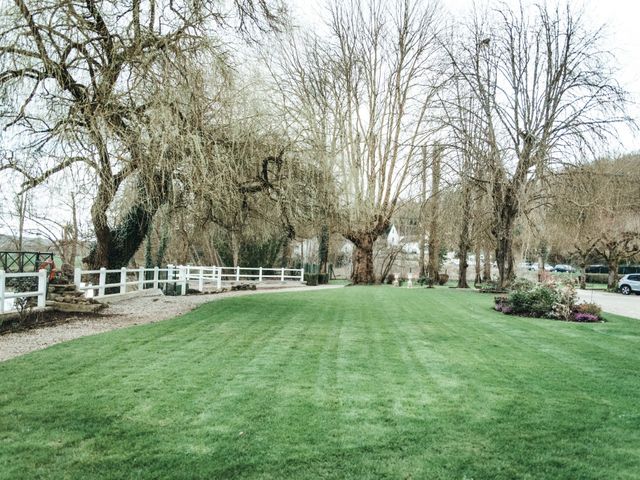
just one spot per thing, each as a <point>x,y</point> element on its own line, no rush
<point>29,244</point>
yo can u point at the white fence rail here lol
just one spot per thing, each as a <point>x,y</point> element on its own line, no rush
<point>128,279</point>
<point>8,297</point>
<point>123,280</point>
<point>184,276</point>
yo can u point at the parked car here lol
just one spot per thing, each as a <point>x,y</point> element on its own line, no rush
<point>629,284</point>
<point>561,268</point>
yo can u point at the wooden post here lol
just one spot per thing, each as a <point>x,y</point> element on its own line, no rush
<point>218,270</point>
<point>156,277</point>
<point>282,275</point>
<point>123,280</point>
<point>101,281</point>
<point>183,279</point>
<point>201,279</point>
<point>260,275</point>
<point>237,274</point>
<point>42,288</point>
<point>2,289</point>
<point>302,275</point>
<point>170,275</point>
<point>77,277</point>
<point>141,278</point>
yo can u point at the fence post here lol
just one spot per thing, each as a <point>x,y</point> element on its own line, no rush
<point>2,279</point>
<point>101,281</point>
<point>77,277</point>
<point>201,279</point>
<point>282,275</point>
<point>219,277</point>
<point>141,278</point>
<point>183,279</point>
<point>260,275</point>
<point>237,274</point>
<point>170,276</point>
<point>302,275</point>
<point>123,280</point>
<point>42,288</point>
<point>156,277</point>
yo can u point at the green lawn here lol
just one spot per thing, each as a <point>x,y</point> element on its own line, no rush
<point>370,382</point>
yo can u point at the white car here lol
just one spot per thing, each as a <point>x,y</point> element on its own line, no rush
<point>629,284</point>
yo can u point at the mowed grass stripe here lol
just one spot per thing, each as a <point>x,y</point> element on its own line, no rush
<point>351,383</point>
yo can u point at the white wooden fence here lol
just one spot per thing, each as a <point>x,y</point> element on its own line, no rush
<point>5,295</point>
<point>183,276</point>
<point>131,279</point>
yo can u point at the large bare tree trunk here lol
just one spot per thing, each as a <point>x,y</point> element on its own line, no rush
<point>363,261</point>
<point>503,231</point>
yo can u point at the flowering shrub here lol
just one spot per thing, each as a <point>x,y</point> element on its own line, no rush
<point>536,302</point>
<point>585,317</point>
<point>592,308</point>
<point>546,300</point>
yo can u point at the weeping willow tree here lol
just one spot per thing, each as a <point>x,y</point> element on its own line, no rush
<point>112,88</point>
<point>362,97</point>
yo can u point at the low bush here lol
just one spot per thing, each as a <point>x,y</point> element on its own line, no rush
<point>537,302</point>
<point>590,308</point>
<point>443,278</point>
<point>546,300</point>
<point>390,278</point>
<point>323,278</point>
<point>311,279</point>
<point>586,317</point>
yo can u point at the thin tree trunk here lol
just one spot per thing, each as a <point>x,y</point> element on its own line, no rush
<point>478,277</point>
<point>423,230</point>
<point>486,272</point>
<point>463,243</point>
<point>612,280</point>
<point>434,245</point>
<point>74,234</point>
<point>235,248</point>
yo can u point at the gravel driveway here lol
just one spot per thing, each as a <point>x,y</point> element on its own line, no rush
<point>626,305</point>
<point>134,311</point>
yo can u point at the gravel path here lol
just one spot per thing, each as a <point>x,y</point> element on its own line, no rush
<point>626,305</point>
<point>134,311</point>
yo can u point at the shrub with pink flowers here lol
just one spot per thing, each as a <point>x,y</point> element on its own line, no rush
<point>586,317</point>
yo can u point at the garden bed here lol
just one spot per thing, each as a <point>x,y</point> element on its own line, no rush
<point>547,300</point>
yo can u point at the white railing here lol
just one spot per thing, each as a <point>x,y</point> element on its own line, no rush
<point>131,279</point>
<point>5,295</point>
<point>259,274</point>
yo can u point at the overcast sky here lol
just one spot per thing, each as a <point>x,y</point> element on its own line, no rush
<point>621,19</point>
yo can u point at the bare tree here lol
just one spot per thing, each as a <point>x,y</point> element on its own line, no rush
<point>596,213</point>
<point>545,89</point>
<point>364,93</point>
